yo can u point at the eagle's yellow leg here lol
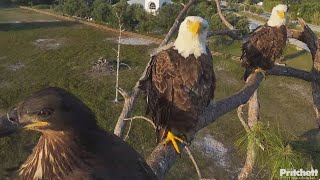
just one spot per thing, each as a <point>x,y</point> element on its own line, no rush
<point>171,137</point>
<point>264,72</point>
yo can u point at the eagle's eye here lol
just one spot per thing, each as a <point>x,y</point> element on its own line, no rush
<point>45,113</point>
<point>189,21</point>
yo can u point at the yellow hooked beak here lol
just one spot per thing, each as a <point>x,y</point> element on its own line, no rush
<point>195,27</point>
<point>281,14</point>
<point>35,125</point>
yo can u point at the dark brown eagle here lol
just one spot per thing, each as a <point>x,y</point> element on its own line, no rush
<point>180,82</point>
<point>266,43</point>
<point>72,146</point>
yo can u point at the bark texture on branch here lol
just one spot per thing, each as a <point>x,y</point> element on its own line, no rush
<point>290,72</point>
<point>253,118</point>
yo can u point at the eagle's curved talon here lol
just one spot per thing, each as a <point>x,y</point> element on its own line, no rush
<point>171,137</point>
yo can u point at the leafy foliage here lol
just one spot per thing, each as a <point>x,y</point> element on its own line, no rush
<point>101,11</point>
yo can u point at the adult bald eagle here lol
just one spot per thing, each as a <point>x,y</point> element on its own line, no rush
<point>72,146</point>
<point>266,44</point>
<point>180,82</point>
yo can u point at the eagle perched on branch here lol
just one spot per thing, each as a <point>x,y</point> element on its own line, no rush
<point>180,82</point>
<point>72,146</point>
<point>266,44</point>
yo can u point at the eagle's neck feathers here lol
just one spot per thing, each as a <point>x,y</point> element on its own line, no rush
<point>188,45</point>
<point>56,155</point>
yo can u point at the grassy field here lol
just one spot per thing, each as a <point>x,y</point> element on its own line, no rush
<point>26,67</point>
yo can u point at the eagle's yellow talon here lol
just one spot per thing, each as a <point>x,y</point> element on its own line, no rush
<point>171,137</point>
<point>264,72</point>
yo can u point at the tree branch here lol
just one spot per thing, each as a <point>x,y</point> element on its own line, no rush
<point>241,118</point>
<point>232,34</point>
<point>224,20</point>
<point>290,72</point>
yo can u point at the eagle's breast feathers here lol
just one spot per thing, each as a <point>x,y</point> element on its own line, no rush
<point>179,88</point>
<point>264,46</point>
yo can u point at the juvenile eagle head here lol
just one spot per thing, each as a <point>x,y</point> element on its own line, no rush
<point>53,109</point>
<point>192,37</point>
<point>278,16</point>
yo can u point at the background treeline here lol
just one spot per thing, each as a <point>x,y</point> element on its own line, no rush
<point>134,17</point>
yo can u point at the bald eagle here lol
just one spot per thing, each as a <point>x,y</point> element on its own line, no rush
<point>266,43</point>
<point>180,82</point>
<point>72,146</point>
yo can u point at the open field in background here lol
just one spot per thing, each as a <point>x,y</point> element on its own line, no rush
<point>26,66</point>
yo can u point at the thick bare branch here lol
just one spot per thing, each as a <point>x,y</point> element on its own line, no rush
<point>253,118</point>
<point>224,20</point>
<point>231,34</point>
<point>290,72</point>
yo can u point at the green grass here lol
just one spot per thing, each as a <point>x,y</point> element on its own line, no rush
<point>284,101</point>
<point>17,14</point>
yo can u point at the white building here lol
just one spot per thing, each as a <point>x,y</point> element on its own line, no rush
<point>150,5</point>
<point>260,3</point>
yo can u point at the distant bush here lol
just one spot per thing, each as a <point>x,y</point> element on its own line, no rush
<point>41,6</point>
<point>259,10</point>
<point>239,22</point>
<point>253,9</point>
<point>101,11</point>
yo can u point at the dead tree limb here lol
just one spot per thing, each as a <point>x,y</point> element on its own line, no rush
<point>290,72</point>
<point>224,20</point>
<point>232,34</point>
<point>241,118</point>
<point>253,118</point>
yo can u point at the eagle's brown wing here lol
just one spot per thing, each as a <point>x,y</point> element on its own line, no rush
<point>264,46</point>
<point>178,89</point>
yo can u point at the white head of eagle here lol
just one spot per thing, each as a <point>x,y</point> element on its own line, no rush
<point>192,37</point>
<point>278,17</point>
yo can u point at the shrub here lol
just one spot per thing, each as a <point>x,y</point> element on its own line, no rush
<point>259,10</point>
<point>253,9</point>
<point>101,11</point>
<point>166,16</point>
